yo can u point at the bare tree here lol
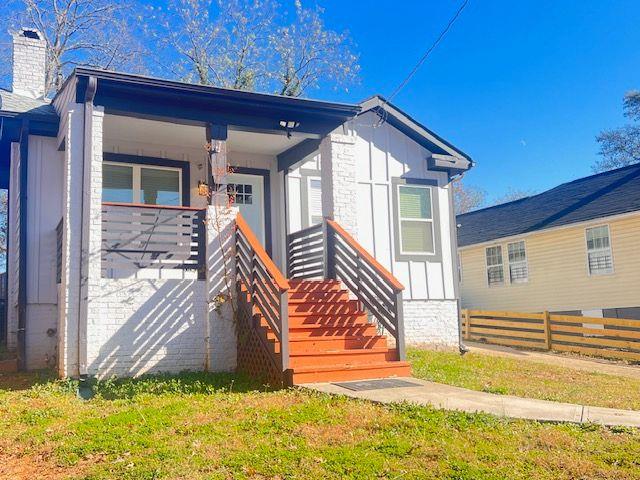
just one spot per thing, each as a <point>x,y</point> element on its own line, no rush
<point>467,198</point>
<point>513,194</point>
<point>94,33</point>
<point>249,45</point>
<point>309,53</point>
<point>621,146</point>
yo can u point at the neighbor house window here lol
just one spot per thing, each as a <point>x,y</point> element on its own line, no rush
<point>151,185</point>
<point>518,268</point>
<point>416,220</point>
<point>315,200</point>
<point>599,255</point>
<point>495,272</point>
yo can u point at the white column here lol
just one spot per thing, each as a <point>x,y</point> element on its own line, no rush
<point>339,185</point>
<point>220,336</point>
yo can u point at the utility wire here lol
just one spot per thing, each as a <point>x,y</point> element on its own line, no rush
<point>427,53</point>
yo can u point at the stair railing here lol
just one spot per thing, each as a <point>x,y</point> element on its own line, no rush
<point>327,251</point>
<point>267,287</point>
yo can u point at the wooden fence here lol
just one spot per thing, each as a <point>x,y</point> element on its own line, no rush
<point>605,337</point>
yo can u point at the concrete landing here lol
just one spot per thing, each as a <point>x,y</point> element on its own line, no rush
<point>448,397</point>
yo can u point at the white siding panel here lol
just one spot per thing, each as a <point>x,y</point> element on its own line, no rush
<point>382,231</point>
<point>362,147</point>
<point>365,218</point>
<point>418,281</point>
<point>44,211</point>
<point>435,281</point>
<point>397,153</point>
<point>447,248</point>
<point>401,272</point>
<point>379,149</point>
<point>294,205</point>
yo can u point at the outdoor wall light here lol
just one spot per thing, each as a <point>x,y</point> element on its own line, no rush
<point>289,125</point>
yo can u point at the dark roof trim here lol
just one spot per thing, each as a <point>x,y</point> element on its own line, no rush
<point>147,97</point>
<point>44,125</point>
<point>297,153</point>
<point>446,157</point>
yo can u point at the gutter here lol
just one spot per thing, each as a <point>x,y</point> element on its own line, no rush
<point>83,273</point>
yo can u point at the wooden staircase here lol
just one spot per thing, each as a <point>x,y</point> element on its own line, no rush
<point>304,330</point>
<point>330,337</point>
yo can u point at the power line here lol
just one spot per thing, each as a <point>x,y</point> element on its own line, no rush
<point>428,52</point>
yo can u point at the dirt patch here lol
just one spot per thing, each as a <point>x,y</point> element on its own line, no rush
<point>37,467</point>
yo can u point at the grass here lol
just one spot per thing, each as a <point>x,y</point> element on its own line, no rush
<point>201,426</point>
<point>523,378</point>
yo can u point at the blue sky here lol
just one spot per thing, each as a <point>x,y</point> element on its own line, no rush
<point>523,87</point>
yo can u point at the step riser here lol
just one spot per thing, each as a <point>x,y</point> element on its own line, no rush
<point>346,375</point>
<point>303,333</point>
<point>325,308</point>
<point>295,298</point>
<point>311,345</point>
<point>323,322</point>
<point>343,360</point>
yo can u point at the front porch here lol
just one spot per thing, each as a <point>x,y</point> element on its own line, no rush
<point>152,200</point>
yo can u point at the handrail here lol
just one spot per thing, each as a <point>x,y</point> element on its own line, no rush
<point>328,251</point>
<point>394,283</point>
<point>254,243</point>
<point>146,205</point>
<point>267,287</point>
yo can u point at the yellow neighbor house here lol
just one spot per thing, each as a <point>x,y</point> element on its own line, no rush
<point>573,249</point>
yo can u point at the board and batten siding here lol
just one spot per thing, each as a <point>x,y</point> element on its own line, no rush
<point>558,273</point>
<point>382,154</point>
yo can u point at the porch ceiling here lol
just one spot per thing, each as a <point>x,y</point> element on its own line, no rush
<point>123,128</point>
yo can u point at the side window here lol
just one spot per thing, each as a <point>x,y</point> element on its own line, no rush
<point>415,218</point>
<point>518,268</point>
<point>315,200</point>
<point>599,257</point>
<point>495,270</point>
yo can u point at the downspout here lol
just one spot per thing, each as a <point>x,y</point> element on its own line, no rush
<point>454,243</point>
<point>22,259</point>
<point>83,270</point>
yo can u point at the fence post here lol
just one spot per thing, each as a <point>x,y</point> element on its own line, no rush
<point>467,331</point>
<point>547,330</point>
<point>329,251</point>
<point>284,330</point>
<point>400,342</point>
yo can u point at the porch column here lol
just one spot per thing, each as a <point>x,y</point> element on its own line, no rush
<point>339,184</point>
<point>220,334</point>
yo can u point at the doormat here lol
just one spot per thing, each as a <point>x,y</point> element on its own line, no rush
<point>377,384</point>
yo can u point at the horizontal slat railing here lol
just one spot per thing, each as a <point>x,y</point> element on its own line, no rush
<point>326,250</point>
<point>607,337</point>
<point>155,237</point>
<point>266,286</point>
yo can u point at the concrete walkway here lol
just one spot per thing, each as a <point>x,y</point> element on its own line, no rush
<point>455,398</point>
<point>598,365</point>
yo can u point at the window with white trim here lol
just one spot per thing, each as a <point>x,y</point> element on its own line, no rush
<point>518,268</point>
<point>599,257</point>
<point>148,184</point>
<point>416,220</point>
<point>495,270</point>
<point>315,200</point>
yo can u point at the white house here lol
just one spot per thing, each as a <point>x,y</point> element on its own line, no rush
<point>120,261</point>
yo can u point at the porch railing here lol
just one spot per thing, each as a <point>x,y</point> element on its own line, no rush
<point>266,286</point>
<point>152,237</point>
<point>326,250</point>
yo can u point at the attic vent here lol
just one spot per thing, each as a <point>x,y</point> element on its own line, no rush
<point>31,34</point>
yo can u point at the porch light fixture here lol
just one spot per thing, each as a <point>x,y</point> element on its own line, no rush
<point>203,189</point>
<point>289,125</point>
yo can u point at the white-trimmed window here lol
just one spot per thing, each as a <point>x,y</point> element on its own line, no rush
<point>416,220</point>
<point>314,189</point>
<point>495,270</point>
<point>518,268</point>
<point>148,184</point>
<point>599,256</point>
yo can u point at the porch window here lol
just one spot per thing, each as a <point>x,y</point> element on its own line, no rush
<point>147,184</point>
<point>495,271</point>
<point>518,268</point>
<point>416,220</point>
<point>599,257</point>
<point>315,201</point>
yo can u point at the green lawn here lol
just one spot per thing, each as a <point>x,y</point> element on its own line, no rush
<point>524,378</point>
<point>220,426</point>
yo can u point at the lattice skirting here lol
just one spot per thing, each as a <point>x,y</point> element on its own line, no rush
<point>253,357</point>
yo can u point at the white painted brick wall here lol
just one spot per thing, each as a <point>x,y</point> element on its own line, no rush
<point>338,176</point>
<point>146,326</point>
<point>29,62</point>
<point>432,322</point>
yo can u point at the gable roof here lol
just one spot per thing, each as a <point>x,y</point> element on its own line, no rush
<point>445,156</point>
<point>602,195</point>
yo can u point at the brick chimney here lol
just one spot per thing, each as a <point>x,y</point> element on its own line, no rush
<point>29,62</point>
